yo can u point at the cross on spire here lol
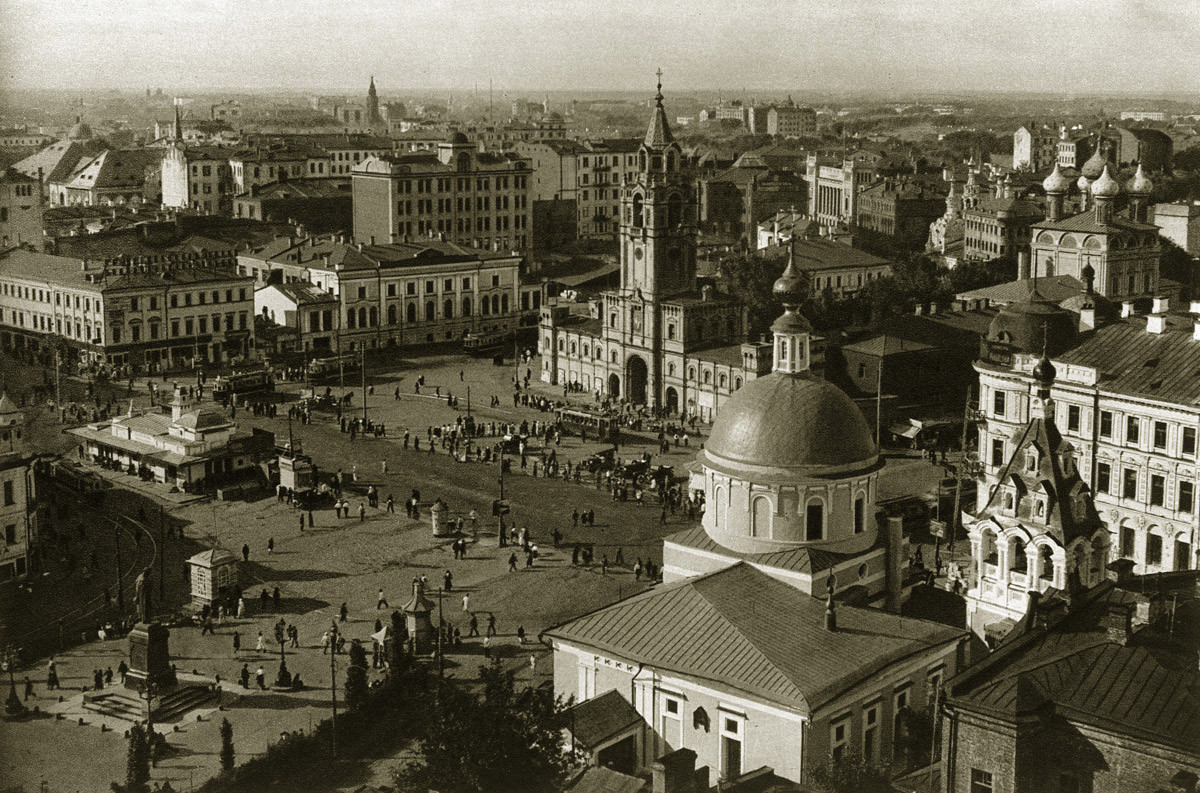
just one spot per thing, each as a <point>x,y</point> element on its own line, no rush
<point>659,97</point>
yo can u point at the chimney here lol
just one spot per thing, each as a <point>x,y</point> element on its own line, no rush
<point>1195,307</point>
<point>1161,304</point>
<point>1156,323</point>
<point>674,772</point>
<point>1126,309</point>
<point>1196,329</point>
<point>1087,317</point>
<point>1023,265</point>
<point>895,558</point>
<point>919,309</point>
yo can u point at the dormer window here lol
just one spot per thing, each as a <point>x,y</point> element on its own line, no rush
<point>1031,460</point>
<point>1039,509</point>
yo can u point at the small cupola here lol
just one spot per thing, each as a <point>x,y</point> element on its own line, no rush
<point>793,333</point>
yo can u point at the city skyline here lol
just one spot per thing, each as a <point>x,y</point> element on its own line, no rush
<point>927,45</point>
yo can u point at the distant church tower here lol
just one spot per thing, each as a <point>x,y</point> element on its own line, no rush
<point>658,228</point>
<point>373,116</point>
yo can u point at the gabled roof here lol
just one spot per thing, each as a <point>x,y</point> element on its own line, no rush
<point>114,168</point>
<point>58,160</point>
<point>739,628</point>
<point>595,720</point>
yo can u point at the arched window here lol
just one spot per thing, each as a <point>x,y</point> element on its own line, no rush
<point>671,370</point>
<point>670,162</point>
<point>691,373</point>
<point>1016,556</point>
<point>707,377</point>
<point>1046,563</point>
<point>362,317</point>
<point>585,351</point>
<point>722,380</point>
<point>719,508</point>
<point>642,160</point>
<point>1008,502</point>
<point>504,303</point>
<point>760,517</point>
<point>483,305</point>
<point>392,314</point>
<point>410,312</point>
<point>674,210</point>
<point>638,220</point>
<point>562,345</point>
<point>374,316</point>
<point>814,520</point>
<point>614,356</point>
<point>860,514</point>
<point>430,311</point>
<point>670,330</point>
<point>466,306</point>
<point>350,319</point>
<point>990,554</point>
<point>448,309</point>
<point>737,383</point>
<point>574,348</point>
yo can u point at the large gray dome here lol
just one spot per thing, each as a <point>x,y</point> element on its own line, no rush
<point>800,423</point>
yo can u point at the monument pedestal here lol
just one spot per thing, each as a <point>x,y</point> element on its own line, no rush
<point>150,659</point>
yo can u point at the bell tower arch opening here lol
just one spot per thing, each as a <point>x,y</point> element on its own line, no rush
<point>636,377</point>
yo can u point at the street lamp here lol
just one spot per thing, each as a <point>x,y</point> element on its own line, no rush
<point>13,706</point>
<point>333,640</point>
<point>284,678</point>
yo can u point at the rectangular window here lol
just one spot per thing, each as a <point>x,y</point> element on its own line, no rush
<point>8,494</point>
<point>1129,483</point>
<point>1103,477</point>
<point>1073,414</point>
<point>997,451</point>
<point>1157,490</point>
<point>1188,442</point>
<point>838,733</point>
<point>1160,435</point>
<point>133,303</point>
<point>1154,547</point>
<point>1133,426</point>
<point>998,403</point>
<point>1185,502</point>
<point>1127,541</point>
<point>731,748</point>
<point>870,741</point>
<point>981,781</point>
<point>1106,424</point>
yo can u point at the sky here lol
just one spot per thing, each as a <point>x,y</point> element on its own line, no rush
<point>1143,47</point>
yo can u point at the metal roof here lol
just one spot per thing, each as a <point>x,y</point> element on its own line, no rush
<point>1162,366</point>
<point>594,721</point>
<point>741,629</point>
<point>794,560</point>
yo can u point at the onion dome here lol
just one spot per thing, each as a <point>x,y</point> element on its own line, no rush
<point>1140,184</point>
<point>1095,164</point>
<point>1083,184</point>
<point>458,139</point>
<point>1106,186</point>
<point>790,290</point>
<point>1056,182</point>
<point>1043,370</point>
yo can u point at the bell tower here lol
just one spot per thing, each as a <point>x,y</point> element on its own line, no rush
<point>658,216</point>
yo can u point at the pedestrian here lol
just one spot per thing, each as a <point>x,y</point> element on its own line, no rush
<point>260,678</point>
<point>270,545</point>
<point>51,676</point>
<point>637,569</point>
<point>448,580</point>
<point>28,688</point>
<point>383,467</point>
<point>260,645</point>
<point>245,676</point>
<point>302,521</point>
<point>381,601</point>
<point>487,646</point>
<point>324,642</point>
<point>122,670</point>
<point>512,562</point>
<point>604,565</point>
<point>310,519</point>
<point>362,512</point>
<point>343,612</point>
<point>237,642</point>
<point>473,626</point>
<point>521,634</point>
<point>245,553</point>
<point>108,675</point>
<point>241,607</point>
<point>467,602</point>
<point>391,504</point>
<point>276,598</point>
<point>532,664</point>
<point>491,626</point>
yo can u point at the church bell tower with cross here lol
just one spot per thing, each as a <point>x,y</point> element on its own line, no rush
<point>658,216</point>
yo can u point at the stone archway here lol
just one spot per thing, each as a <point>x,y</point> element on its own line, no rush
<point>672,400</point>
<point>614,386</point>
<point>636,377</point>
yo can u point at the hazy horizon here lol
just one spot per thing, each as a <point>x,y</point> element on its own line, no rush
<point>1123,47</point>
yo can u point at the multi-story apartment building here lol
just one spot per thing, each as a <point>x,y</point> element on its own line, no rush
<point>398,293</point>
<point>198,177</point>
<point>276,162</point>
<point>117,312</point>
<point>833,188</point>
<point>897,213</point>
<point>1035,147</point>
<point>18,514</point>
<point>590,173</point>
<point>457,193</point>
<point>789,121</point>
<point>996,225</point>
<point>1126,399</point>
<point>21,205</point>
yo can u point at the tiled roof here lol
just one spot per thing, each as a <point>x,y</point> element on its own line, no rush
<point>794,560</point>
<point>742,629</point>
<point>600,718</point>
<point>1162,366</point>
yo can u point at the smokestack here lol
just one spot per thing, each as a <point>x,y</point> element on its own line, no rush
<point>895,557</point>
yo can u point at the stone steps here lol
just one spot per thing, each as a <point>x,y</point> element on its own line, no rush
<point>128,706</point>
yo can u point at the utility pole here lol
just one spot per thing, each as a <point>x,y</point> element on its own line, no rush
<point>120,591</point>
<point>441,631</point>
<point>58,385</point>
<point>958,471</point>
<point>162,552</point>
<point>333,639</point>
<point>879,396</point>
<point>362,365</point>
<point>468,401</point>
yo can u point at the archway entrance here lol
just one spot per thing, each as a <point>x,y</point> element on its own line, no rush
<point>614,386</point>
<point>635,380</point>
<point>672,400</point>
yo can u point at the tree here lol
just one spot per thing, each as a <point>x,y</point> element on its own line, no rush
<point>226,745</point>
<point>852,775</point>
<point>356,676</point>
<point>137,764</point>
<point>398,657</point>
<point>506,740</point>
<point>749,278</point>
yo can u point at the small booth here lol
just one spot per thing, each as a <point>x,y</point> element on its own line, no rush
<point>214,576</point>
<point>296,470</point>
